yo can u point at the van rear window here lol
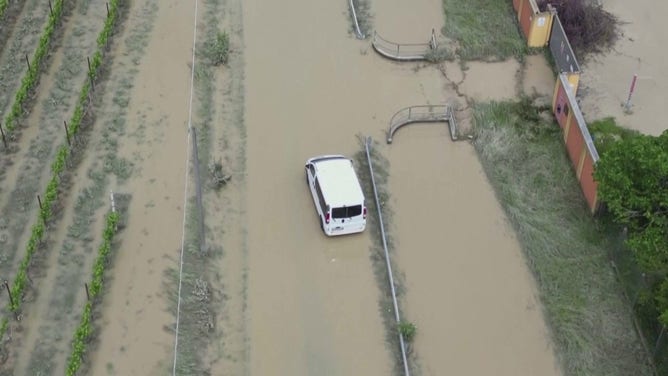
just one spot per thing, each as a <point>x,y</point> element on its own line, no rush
<point>347,211</point>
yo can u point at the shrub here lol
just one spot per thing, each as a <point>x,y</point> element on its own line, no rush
<point>407,330</point>
<point>218,49</point>
<point>606,131</point>
<point>589,27</point>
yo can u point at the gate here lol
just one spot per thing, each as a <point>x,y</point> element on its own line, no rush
<point>563,54</point>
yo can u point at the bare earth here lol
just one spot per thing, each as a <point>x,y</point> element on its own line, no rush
<point>606,80</point>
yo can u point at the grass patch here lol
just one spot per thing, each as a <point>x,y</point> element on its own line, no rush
<point>197,316</point>
<point>440,54</point>
<point>9,13</point>
<point>26,36</point>
<point>485,30</point>
<point>217,48</point>
<point>606,131</point>
<point>567,250</point>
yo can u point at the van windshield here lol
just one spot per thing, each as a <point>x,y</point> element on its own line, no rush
<point>347,211</point>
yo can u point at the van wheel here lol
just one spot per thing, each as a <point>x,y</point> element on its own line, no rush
<point>306,178</point>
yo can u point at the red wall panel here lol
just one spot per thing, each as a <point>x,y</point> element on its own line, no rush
<point>574,143</point>
<point>525,18</point>
<point>588,183</point>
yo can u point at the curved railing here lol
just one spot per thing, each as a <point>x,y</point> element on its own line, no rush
<point>403,51</point>
<point>422,114</point>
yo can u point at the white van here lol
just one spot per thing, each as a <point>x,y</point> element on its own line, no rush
<point>337,194</point>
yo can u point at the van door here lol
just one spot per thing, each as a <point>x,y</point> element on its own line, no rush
<point>347,215</point>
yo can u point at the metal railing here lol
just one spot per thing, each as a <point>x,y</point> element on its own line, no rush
<point>403,51</point>
<point>422,114</point>
<point>402,341</point>
<point>358,32</point>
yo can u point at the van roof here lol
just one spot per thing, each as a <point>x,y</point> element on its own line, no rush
<point>338,181</point>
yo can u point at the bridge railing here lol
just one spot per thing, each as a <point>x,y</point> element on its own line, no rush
<point>421,114</point>
<point>403,51</point>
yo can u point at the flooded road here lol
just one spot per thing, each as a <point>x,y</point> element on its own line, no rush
<point>468,289</point>
<point>313,301</point>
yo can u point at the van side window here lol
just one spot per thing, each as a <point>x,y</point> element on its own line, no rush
<point>311,167</point>
<point>321,199</point>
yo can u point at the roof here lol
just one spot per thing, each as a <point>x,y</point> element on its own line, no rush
<point>338,181</point>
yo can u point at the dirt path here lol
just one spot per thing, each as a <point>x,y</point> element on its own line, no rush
<point>606,79</point>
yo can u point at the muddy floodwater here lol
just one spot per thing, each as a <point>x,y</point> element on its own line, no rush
<point>300,303</point>
<point>313,300</point>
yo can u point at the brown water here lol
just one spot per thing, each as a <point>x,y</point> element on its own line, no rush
<point>606,80</point>
<point>538,78</point>
<point>134,339</point>
<point>467,286</point>
<point>491,81</point>
<point>318,294</point>
<point>313,301</point>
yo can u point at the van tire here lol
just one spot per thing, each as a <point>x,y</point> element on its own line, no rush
<point>306,173</point>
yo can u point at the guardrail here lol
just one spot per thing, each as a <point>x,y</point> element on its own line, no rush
<point>358,32</point>
<point>402,341</point>
<point>403,51</point>
<point>423,114</point>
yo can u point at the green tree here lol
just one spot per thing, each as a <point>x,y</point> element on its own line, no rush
<point>632,178</point>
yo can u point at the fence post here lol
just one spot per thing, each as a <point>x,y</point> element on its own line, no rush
<point>67,133</point>
<point>90,74</point>
<point>11,299</point>
<point>627,105</point>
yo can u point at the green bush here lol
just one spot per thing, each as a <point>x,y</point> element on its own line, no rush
<point>407,330</point>
<point>3,8</point>
<point>218,49</point>
<point>606,131</point>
